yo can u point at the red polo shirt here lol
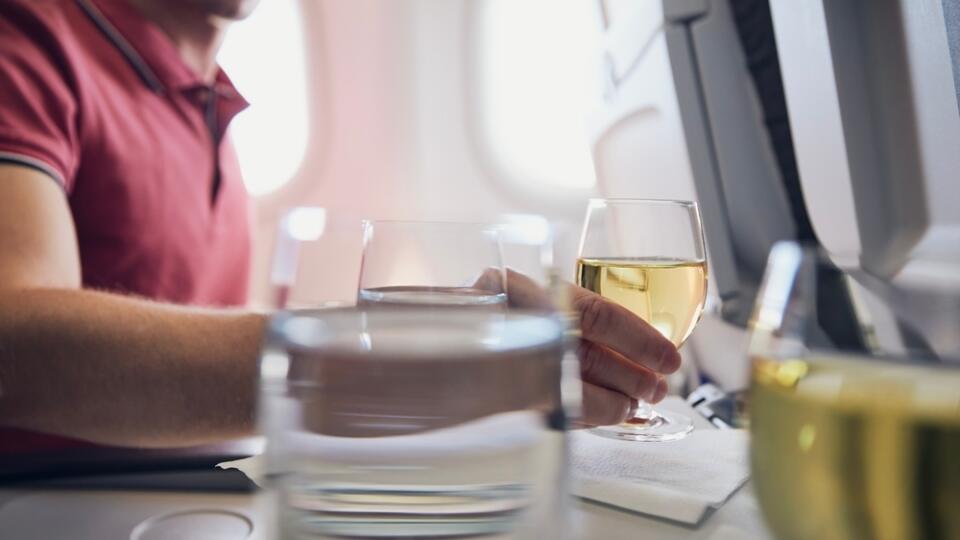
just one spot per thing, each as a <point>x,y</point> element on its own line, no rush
<point>98,97</point>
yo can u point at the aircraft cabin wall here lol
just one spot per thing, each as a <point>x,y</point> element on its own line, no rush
<point>412,114</point>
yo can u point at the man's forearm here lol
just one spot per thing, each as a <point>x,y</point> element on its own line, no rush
<point>125,371</point>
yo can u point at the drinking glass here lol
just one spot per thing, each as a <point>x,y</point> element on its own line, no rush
<point>432,264</point>
<point>855,399</point>
<point>436,266</point>
<point>401,422</point>
<point>393,420</point>
<point>316,256</point>
<point>648,256</point>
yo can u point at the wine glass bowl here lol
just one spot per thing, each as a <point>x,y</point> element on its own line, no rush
<point>670,295</point>
<point>648,256</point>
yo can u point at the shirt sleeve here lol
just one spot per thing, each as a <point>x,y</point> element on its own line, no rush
<point>38,108</point>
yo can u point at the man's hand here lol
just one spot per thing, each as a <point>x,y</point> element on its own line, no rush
<point>622,358</point>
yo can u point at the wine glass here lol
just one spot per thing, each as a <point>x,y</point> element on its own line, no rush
<point>648,256</point>
<point>431,264</point>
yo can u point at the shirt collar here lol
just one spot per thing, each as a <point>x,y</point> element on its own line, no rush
<point>150,51</point>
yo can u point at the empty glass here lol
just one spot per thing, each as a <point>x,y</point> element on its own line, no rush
<point>316,256</point>
<point>431,264</point>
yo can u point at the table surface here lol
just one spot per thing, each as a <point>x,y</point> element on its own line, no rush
<point>103,513</point>
<point>48,514</point>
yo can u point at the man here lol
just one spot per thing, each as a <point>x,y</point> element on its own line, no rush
<point>124,245</point>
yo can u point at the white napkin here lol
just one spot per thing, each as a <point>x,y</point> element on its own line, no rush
<point>678,480</point>
<point>252,467</point>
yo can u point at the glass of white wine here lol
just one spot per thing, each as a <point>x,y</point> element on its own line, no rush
<point>648,256</point>
<point>432,265</point>
<point>855,399</point>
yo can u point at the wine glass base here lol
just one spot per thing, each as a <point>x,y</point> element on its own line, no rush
<point>661,427</point>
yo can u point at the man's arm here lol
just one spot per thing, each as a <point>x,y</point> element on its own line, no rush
<point>104,367</point>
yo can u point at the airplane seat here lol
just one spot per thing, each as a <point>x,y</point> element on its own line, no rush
<point>834,123</point>
<point>873,92</point>
<point>755,28</point>
<point>694,108</point>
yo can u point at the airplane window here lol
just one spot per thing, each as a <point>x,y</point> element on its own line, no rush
<point>539,79</point>
<point>264,56</point>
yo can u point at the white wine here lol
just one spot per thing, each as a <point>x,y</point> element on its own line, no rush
<point>668,294</point>
<point>852,448</point>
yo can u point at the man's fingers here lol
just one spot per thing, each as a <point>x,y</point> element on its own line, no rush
<point>614,326</point>
<point>603,407</point>
<point>620,351</point>
<point>661,391</point>
<point>524,292</point>
<point>604,367</point>
<point>491,279</point>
